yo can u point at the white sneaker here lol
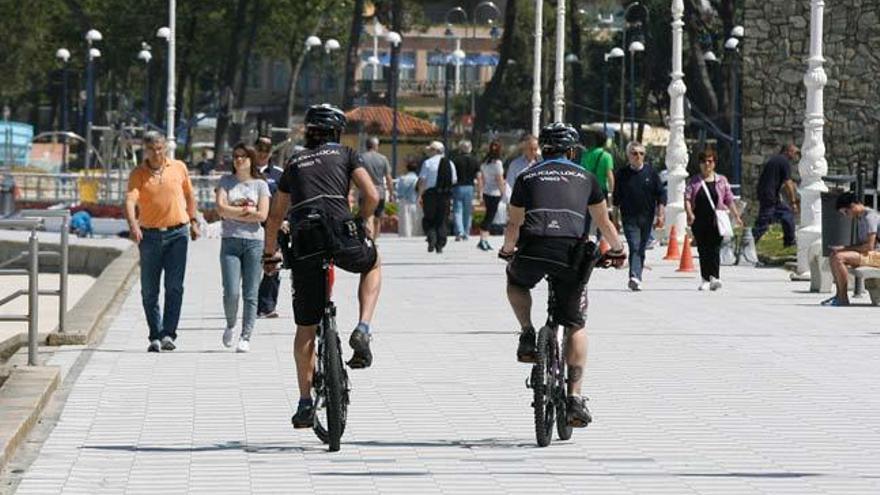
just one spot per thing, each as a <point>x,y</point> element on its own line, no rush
<point>635,284</point>
<point>714,283</point>
<point>243,346</point>
<point>704,285</point>
<point>228,335</point>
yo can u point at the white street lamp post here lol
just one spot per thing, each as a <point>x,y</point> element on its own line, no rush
<point>536,75</point>
<point>676,150</point>
<point>330,46</point>
<point>813,164</point>
<point>168,34</point>
<point>634,47</point>
<point>559,87</point>
<point>374,60</point>
<point>146,56</point>
<point>615,52</point>
<point>92,36</point>
<point>311,42</point>
<point>394,39</point>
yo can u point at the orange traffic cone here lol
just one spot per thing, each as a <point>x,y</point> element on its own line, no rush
<point>672,251</point>
<point>603,246</point>
<point>687,257</point>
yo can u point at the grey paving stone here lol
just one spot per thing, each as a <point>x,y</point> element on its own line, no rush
<point>755,389</point>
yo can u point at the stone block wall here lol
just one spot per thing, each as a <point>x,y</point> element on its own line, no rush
<point>775,52</point>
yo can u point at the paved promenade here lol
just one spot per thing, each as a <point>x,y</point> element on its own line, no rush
<point>754,389</point>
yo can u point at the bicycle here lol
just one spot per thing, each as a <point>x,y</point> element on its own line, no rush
<point>330,380</point>
<point>548,377</point>
<point>330,384</point>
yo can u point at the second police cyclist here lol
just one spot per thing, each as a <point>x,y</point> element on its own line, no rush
<point>315,184</point>
<point>550,211</point>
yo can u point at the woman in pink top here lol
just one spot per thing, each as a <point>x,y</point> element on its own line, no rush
<point>701,217</point>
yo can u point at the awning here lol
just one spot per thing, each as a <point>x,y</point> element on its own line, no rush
<point>407,59</point>
<point>471,59</point>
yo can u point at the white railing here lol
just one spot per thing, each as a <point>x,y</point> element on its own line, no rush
<point>96,188</point>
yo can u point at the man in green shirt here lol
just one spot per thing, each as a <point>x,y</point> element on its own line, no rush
<point>598,161</point>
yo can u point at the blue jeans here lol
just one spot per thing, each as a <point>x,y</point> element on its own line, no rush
<point>241,267</point>
<point>462,209</point>
<point>638,233</point>
<point>163,251</point>
<point>779,212</point>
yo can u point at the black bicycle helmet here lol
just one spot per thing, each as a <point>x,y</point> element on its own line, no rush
<point>557,138</point>
<point>325,116</point>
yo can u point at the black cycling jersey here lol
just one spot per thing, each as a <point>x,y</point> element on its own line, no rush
<point>556,194</point>
<point>320,178</point>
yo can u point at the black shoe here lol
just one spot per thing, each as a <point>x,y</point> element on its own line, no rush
<point>430,248</point>
<point>168,344</point>
<point>439,250</point>
<point>155,345</point>
<point>578,414</point>
<point>527,352</point>
<point>304,417</point>
<point>360,343</point>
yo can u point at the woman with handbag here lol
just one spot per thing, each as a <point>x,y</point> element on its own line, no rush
<point>708,201</point>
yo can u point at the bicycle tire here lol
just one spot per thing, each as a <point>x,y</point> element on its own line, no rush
<point>563,429</point>
<point>542,387</point>
<point>334,387</point>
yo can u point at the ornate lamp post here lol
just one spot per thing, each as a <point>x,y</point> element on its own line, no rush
<point>536,74</point>
<point>813,164</point>
<point>146,56</point>
<point>374,60</point>
<point>92,36</point>
<point>676,150</point>
<point>559,86</point>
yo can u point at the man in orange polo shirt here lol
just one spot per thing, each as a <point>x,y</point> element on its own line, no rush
<point>161,211</point>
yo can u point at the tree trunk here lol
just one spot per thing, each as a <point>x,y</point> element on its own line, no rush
<point>352,61</point>
<point>227,82</point>
<point>493,88</point>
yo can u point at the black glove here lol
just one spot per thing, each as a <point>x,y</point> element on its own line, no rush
<point>505,255</point>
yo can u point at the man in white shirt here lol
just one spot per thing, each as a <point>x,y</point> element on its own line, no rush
<point>529,156</point>
<point>435,193</point>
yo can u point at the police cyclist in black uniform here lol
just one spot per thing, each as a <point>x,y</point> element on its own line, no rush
<point>315,184</point>
<point>550,211</point>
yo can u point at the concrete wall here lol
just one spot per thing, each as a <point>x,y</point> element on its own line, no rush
<point>775,51</point>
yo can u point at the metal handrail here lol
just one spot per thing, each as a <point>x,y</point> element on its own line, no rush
<point>64,253</point>
<point>33,290</point>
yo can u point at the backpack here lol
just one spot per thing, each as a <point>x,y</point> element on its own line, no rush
<point>444,176</point>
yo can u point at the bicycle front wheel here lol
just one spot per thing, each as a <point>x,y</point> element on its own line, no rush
<point>542,387</point>
<point>335,389</point>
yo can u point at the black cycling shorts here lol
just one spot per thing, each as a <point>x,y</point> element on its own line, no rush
<point>355,254</point>
<point>551,257</point>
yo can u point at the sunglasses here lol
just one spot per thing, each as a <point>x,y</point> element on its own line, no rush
<point>637,153</point>
<point>239,157</point>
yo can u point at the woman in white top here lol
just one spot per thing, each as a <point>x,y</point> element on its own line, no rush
<point>243,204</point>
<point>490,187</point>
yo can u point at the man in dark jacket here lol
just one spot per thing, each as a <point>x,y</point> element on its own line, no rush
<point>641,198</point>
<point>775,174</point>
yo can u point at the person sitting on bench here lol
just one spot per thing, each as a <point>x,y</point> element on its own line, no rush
<point>866,251</point>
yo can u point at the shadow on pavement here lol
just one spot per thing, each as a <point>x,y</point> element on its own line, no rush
<point>485,443</point>
<point>234,445</point>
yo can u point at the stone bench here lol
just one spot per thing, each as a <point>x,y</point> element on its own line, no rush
<point>823,281</point>
<point>871,276</point>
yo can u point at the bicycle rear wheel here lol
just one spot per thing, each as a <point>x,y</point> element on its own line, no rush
<point>542,388</point>
<point>334,392</point>
<point>563,429</point>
